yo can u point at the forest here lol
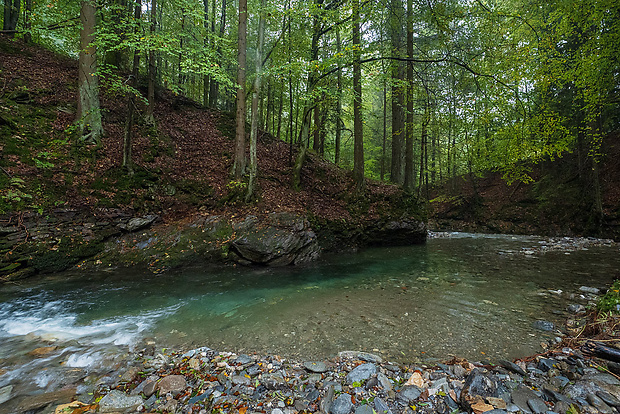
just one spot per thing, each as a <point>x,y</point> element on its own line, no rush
<point>414,93</point>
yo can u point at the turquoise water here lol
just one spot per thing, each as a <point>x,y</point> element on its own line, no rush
<point>469,295</point>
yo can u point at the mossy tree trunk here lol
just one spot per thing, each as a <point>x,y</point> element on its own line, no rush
<point>88,115</point>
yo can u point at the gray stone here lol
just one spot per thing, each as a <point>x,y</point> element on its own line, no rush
<point>537,405</point>
<point>576,308</point>
<point>496,411</point>
<point>200,397</point>
<point>277,411</point>
<point>240,380</point>
<point>599,404</point>
<point>511,366</point>
<point>315,366</point>
<point>546,364</point>
<point>364,409</point>
<point>521,396</point>
<point>591,290</point>
<point>408,393</point>
<point>364,356</point>
<point>5,393</point>
<point>342,405</point>
<point>556,396</point>
<point>385,382</point>
<point>480,383</point>
<point>543,325</point>
<point>381,407</point>
<point>282,239</point>
<point>242,359</point>
<point>608,398</point>
<point>138,223</point>
<point>361,373</point>
<point>328,400</point>
<point>149,388</point>
<point>117,401</point>
<point>172,384</point>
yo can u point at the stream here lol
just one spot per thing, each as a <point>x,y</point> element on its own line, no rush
<point>472,295</point>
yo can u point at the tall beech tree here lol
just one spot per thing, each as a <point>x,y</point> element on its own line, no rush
<point>240,158</point>
<point>88,116</point>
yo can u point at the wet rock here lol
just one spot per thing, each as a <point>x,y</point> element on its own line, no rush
<point>364,409</point>
<point>315,366</point>
<point>576,308</point>
<point>281,240</point>
<point>5,393</point>
<point>138,223</point>
<point>116,401</point>
<point>537,405</point>
<point>361,373</point>
<point>403,232</point>
<point>479,385</point>
<point>381,407</point>
<point>543,325</point>
<point>150,387</point>
<point>522,397</point>
<point>364,356</point>
<point>408,394</point>
<point>588,289</point>
<point>342,405</point>
<point>42,351</point>
<point>511,366</point>
<point>599,404</point>
<point>608,398</point>
<point>172,383</point>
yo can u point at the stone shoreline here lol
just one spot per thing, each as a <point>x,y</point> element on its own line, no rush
<point>206,381</point>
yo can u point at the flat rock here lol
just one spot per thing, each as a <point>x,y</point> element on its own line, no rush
<point>240,380</point>
<point>116,401</point>
<point>361,373</point>
<point>537,405</point>
<point>364,409</point>
<point>543,325</point>
<point>364,356</point>
<point>479,385</point>
<point>608,398</point>
<point>522,396</point>
<point>381,407</point>
<point>138,223</point>
<point>511,366</point>
<point>172,383</point>
<point>42,351</point>
<point>315,366</point>
<point>36,402</point>
<point>5,393</point>
<point>409,393</point>
<point>599,404</point>
<point>341,405</point>
<point>588,289</point>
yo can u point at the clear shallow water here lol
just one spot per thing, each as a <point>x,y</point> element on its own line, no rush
<point>474,296</point>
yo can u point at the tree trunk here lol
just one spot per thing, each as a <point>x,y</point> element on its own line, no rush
<point>131,103</point>
<point>215,86</point>
<point>28,22</point>
<point>358,132</point>
<point>11,14</point>
<point>395,26</point>
<point>255,98</point>
<point>206,87</point>
<point>384,130</point>
<point>150,119</point>
<point>409,172</point>
<point>88,115</point>
<point>338,103</point>
<point>240,160</point>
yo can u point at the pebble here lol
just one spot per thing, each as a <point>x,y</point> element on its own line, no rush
<point>318,367</point>
<point>342,405</point>
<point>361,373</point>
<point>543,325</point>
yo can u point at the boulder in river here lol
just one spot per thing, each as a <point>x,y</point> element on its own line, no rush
<point>280,240</point>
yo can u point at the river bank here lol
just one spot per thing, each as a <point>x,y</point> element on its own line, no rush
<point>205,380</point>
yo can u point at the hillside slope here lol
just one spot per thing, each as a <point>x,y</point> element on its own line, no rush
<point>52,189</point>
<point>555,203</point>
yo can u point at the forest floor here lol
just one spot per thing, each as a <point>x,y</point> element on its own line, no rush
<point>182,165</point>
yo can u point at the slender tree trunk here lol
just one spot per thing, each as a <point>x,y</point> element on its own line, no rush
<point>206,87</point>
<point>150,119</point>
<point>281,107</point>
<point>28,22</point>
<point>11,14</point>
<point>88,115</point>
<point>409,171</point>
<point>384,130</point>
<point>316,138</point>
<point>358,132</point>
<point>397,71</point>
<point>338,103</point>
<point>215,86</point>
<point>255,97</point>
<point>240,160</point>
<point>131,103</point>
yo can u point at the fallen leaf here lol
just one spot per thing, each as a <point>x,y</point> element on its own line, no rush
<point>415,379</point>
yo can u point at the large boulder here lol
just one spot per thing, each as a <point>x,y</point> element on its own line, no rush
<point>279,240</point>
<point>402,232</point>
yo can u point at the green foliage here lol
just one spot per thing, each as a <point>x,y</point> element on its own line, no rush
<point>610,301</point>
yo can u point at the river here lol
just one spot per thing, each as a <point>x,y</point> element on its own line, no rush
<point>475,296</point>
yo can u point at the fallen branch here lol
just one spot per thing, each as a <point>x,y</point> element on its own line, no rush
<point>594,349</point>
